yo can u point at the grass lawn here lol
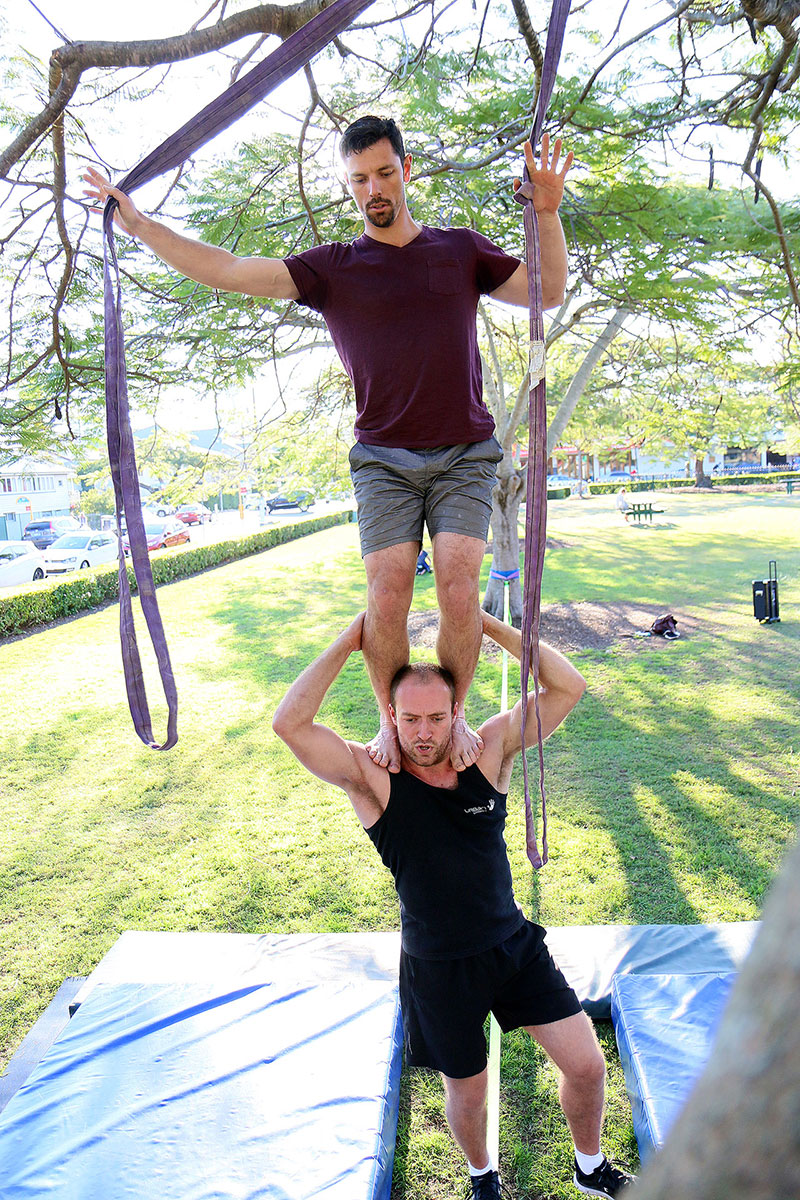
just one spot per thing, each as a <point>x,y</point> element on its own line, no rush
<point>671,788</point>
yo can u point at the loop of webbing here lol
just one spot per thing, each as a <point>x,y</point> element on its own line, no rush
<point>536,491</point>
<point>295,52</point>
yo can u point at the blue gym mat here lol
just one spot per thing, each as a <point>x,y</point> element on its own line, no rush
<point>191,1091</point>
<point>592,955</point>
<point>665,1027</point>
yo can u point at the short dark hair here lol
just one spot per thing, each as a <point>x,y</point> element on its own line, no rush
<point>422,672</point>
<point>366,131</point>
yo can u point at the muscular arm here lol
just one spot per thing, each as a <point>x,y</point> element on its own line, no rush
<point>323,752</point>
<point>553,246</point>
<point>560,689</point>
<point>548,192</point>
<point>211,265</point>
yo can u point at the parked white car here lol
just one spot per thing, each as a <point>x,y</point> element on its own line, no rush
<point>20,562</point>
<point>77,551</point>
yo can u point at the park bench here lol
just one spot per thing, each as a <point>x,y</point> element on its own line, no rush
<point>643,512</point>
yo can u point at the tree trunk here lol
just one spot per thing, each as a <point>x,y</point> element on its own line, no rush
<point>739,1134</point>
<point>506,498</point>
<point>701,480</point>
<point>582,376</point>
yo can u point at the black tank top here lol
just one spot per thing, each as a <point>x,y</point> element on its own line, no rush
<point>446,851</point>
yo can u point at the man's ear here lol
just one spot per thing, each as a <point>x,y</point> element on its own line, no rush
<point>393,715</point>
<point>455,709</point>
<point>406,168</point>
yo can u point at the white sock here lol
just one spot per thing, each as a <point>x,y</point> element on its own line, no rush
<point>589,1162</point>
<point>481,1170</point>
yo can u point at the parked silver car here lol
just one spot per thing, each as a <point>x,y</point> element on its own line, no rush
<point>78,551</point>
<point>20,562</point>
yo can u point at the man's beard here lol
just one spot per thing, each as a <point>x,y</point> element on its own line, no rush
<point>383,219</point>
<point>438,755</point>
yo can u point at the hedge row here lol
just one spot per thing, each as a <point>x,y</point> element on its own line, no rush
<point>649,485</point>
<point>772,477</point>
<point>39,604</point>
<point>637,485</point>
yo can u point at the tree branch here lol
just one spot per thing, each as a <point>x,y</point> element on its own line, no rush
<point>77,57</point>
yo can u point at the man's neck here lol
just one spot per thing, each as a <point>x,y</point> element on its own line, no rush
<point>442,775</point>
<point>399,233</point>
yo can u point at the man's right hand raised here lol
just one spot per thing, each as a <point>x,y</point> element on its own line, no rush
<point>127,216</point>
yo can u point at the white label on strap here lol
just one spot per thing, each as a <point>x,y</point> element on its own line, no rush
<point>537,363</point>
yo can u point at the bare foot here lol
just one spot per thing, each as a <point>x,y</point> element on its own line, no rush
<point>384,749</point>
<point>467,745</point>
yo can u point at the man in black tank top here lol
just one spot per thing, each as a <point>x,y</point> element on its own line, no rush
<point>467,948</point>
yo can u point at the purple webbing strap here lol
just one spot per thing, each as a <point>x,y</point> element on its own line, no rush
<point>295,52</point>
<point>536,491</point>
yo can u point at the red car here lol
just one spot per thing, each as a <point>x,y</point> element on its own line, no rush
<point>193,514</point>
<point>160,534</point>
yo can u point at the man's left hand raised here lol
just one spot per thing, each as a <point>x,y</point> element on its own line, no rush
<point>546,186</point>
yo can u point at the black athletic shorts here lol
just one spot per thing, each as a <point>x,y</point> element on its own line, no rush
<point>445,1003</point>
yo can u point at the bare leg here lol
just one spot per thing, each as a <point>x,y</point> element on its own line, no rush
<point>573,1047</point>
<point>390,588</point>
<point>457,563</point>
<point>466,1115</point>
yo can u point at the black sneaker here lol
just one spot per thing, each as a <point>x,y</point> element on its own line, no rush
<point>488,1187</point>
<point>604,1180</point>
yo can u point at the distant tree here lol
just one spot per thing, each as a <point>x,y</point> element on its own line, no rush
<point>692,394</point>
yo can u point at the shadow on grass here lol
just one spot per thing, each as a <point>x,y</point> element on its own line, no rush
<point>690,796</point>
<point>277,636</point>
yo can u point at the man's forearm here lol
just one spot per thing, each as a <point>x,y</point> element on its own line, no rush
<point>555,671</point>
<point>554,259</point>
<point>214,266</point>
<point>196,260</point>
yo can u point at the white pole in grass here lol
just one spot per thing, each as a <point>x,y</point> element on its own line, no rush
<point>495,1033</point>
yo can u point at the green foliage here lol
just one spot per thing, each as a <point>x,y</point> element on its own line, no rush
<point>38,605</point>
<point>641,234</point>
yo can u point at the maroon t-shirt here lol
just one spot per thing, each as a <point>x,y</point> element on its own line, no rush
<point>403,321</point>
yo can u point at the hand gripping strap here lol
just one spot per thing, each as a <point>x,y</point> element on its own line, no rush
<point>536,495</point>
<point>295,52</point>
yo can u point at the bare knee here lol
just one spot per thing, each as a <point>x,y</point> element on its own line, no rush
<point>388,600</point>
<point>390,589</point>
<point>458,597</point>
<point>466,1094</point>
<point>586,1070</point>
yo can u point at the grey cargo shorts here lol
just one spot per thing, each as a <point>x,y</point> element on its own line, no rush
<point>398,491</point>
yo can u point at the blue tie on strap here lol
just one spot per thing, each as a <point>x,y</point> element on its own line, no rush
<point>504,576</point>
<point>295,52</point>
<point>536,494</point>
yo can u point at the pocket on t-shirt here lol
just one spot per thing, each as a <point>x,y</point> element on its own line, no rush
<point>443,276</point>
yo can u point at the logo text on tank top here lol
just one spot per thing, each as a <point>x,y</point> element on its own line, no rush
<point>481,808</point>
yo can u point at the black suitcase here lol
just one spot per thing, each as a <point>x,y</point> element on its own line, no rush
<point>765,596</point>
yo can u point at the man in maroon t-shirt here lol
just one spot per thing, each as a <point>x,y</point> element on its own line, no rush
<point>401,303</point>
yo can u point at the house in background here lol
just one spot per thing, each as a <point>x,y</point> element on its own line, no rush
<point>31,489</point>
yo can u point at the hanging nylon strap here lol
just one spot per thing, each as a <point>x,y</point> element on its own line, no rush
<point>536,493</point>
<point>295,52</point>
